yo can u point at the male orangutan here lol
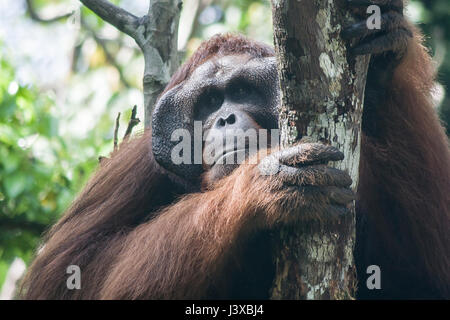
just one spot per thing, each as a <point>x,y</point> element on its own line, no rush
<point>146,228</point>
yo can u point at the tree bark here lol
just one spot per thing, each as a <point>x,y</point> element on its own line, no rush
<point>156,34</point>
<point>159,44</point>
<point>322,90</point>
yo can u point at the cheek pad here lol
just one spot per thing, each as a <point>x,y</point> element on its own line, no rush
<point>174,111</point>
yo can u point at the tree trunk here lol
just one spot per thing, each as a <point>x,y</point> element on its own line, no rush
<point>160,50</point>
<point>322,90</point>
<point>156,34</point>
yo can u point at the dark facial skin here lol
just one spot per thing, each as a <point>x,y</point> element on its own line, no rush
<point>225,94</point>
<point>234,101</point>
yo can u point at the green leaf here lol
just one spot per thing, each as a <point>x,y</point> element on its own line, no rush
<point>15,184</point>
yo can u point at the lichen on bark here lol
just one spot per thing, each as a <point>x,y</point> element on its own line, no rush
<point>322,94</point>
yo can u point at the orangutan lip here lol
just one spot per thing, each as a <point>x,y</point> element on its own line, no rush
<point>225,153</point>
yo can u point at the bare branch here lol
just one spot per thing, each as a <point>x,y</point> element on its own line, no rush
<point>116,16</point>
<point>116,130</point>
<point>35,16</point>
<point>133,122</point>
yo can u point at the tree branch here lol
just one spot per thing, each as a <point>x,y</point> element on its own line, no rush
<point>116,16</point>
<point>116,130</point>
<point>22,224</point>
<point>35,16</point>
<point>133,122</point>
<point>156,34</point>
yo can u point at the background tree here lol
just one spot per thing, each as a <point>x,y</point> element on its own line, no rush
<point>156,33</point>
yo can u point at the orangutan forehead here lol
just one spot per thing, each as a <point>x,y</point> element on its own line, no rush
<point>223,68</point>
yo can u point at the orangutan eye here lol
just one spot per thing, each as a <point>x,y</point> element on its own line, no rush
<point>214,100</point>
<point>209,102</point>
<point>241,90</point>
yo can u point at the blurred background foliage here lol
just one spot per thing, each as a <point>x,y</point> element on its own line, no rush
<point>64,76</point>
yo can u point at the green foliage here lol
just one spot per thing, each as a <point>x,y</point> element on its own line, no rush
<point>435,22</point>
<point>38,175</point>
<point>250,17</point>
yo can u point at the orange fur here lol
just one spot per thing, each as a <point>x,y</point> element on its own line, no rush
<point>405,180</point>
